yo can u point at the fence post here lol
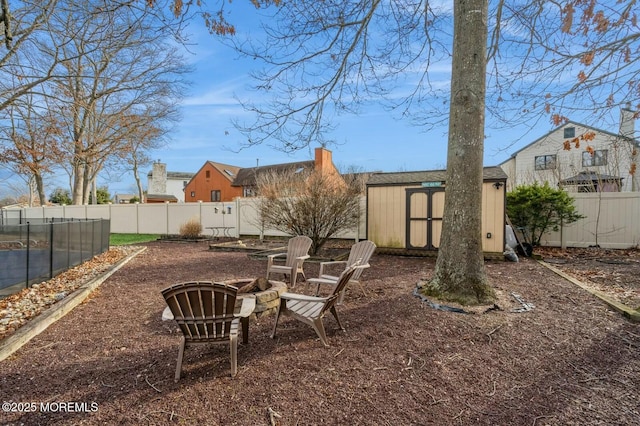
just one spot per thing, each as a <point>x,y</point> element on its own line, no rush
<point>237,200</point>
<point>68,243</point>
<point>81,241</point>
<point>50,249</point>
<point>26,284</point>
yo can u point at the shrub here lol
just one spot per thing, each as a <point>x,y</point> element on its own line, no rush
<point>191,229</point>
<point>318,205</point>
<point>60,196</point>
<point>536,209</point>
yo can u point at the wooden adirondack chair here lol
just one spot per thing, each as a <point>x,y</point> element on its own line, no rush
<point>361,252</point>
<point>206,313</point>
<point>312,309</point>
<point>297,252</point>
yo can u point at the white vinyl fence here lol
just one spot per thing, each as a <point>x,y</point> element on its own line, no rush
<point>612,219</point>
<point>234,218</point>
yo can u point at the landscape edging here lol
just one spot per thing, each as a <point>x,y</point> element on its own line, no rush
<point>625,310</point>
<point>41,322</point>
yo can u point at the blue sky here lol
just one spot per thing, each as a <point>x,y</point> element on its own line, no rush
<point>373,140</point>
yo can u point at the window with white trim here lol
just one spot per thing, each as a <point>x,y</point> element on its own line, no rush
<point>595,158</point>
<point>545,162</point>
<point>569,132</point>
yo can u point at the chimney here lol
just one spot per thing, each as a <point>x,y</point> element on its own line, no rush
<point>158,183</point>
<point>324,161</point>
<point>627,122</point>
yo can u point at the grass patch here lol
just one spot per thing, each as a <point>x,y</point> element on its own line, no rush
<point>123,239</point>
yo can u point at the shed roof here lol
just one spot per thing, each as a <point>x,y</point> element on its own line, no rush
<point>415,178</point>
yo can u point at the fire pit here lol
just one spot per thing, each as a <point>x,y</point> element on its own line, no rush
<point>266,292</point>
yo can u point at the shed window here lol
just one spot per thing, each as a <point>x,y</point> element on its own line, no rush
<point>569,132</point>
<point>215,195</point>
<point>545,162</point>
<point>597,158</point>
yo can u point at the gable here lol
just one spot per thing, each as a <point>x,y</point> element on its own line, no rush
<point>558,133</point>
<point>227,171</point>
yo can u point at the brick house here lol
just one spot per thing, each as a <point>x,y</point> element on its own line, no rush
<point>221,182</point>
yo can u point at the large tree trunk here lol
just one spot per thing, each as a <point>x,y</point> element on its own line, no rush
<point>136,176</point>
<point>40,188</point>
<point>78,181</point>
<point>86,185</point>
<point>459,274</point>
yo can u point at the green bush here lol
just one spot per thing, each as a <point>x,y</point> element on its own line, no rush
<point>60,196</point>
<point>536,209</point>
<point>191,229</point>
<point>102,195</point>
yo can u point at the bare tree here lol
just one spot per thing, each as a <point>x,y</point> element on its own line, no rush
<point>121,68</point>
<point>138,144</point>
<point>21,29</point>
<point>315,204</point>
<point>459,273</point>
<point>54,48</point>
<point>546,59</point>
<point>30,144</point>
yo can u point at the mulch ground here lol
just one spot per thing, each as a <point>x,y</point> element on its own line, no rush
<point>568,361</point>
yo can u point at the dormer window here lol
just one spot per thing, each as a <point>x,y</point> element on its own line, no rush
<point>569,132</point>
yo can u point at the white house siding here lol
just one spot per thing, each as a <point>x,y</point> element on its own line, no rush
<point>175,187</point>
<point>521,167</point>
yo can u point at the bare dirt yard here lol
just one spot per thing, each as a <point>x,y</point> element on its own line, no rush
<point>569,360</point>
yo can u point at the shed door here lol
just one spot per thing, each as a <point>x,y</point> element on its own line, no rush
<point>425,207</point>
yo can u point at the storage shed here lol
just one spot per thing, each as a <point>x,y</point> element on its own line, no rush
<point>405,209</point>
